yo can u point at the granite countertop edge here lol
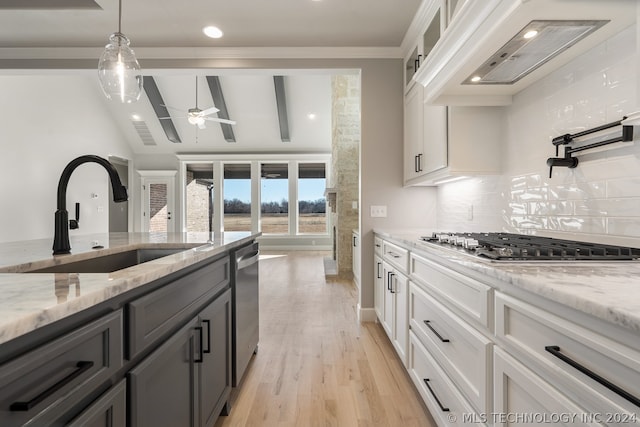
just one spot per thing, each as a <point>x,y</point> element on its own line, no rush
<point>33,300</point>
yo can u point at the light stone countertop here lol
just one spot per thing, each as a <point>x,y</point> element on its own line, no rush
<point>607,290</point>
<point>32,300</point>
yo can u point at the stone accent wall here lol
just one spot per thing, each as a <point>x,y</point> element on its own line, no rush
<point>345,165</point>
<point>197,197</point>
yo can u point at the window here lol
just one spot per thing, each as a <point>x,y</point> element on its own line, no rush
<point>274,204</point>
<point>312,205</point>
<point>237,197</point>
<point>280,195</point>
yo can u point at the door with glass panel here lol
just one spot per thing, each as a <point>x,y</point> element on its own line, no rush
<point>158,204</point>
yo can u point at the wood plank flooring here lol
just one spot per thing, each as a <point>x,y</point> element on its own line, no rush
<point>316,365</point>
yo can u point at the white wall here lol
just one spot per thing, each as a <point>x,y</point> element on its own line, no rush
<point>47,121</point>
<point>600,199</point>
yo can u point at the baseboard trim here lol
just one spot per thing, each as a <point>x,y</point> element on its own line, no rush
<point>366,314</point>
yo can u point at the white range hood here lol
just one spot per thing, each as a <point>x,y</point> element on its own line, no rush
<point>484,59</point>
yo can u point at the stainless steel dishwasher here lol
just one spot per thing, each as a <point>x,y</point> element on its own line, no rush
<point>245,310</point>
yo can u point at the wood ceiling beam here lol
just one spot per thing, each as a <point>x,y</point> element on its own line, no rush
<point>153,93</point>
<point>281,103</point>
<point>218,100</point>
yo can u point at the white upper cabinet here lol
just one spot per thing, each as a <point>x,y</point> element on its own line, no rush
<point>486,39</point>
<point>429,25</point>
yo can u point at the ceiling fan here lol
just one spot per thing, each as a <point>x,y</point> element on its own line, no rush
<point>199,117</point>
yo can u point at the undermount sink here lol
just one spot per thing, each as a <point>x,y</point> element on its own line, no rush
<point>112,262</point>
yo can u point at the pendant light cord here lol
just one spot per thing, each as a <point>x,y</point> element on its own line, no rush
<point>120,16</point>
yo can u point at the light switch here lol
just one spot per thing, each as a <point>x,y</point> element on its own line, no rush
<point>379,211</point>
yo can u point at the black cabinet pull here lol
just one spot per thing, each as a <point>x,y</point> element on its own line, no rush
<point>416,64</point>
<point>81,367</point>
<point>389,280</point>
<point>201,358</point>
<point>415,164</point>
<point>393,254</point>
<point>379,274</point>
<point>555,350</point>
<point>354,241</point>
<point>208,350</point>
<point>442,408</point>
<point>419,163</point>
<point>428,323</point>
<point>391,283</point>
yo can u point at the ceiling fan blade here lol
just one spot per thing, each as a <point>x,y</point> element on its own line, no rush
<point>209,111</point>
<point>166,118</point>
<point>215,119</point>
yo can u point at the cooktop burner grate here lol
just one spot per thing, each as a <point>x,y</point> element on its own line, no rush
<point>509,246</point>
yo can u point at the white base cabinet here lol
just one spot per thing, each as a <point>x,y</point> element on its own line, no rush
<point>481,356</point>
<point>525,399</point>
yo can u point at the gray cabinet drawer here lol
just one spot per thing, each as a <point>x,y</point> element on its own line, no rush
<point>155,315</point>
<point>108,411</point>
<point>41,387</point>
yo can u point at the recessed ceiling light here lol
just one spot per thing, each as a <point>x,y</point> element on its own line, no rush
<point>530,34</point>
<point>213,32</point>
<point>311,116</point>
<point>135,117</point>
<point>476,79</point>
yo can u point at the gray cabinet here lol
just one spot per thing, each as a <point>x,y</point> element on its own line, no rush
<point>162,356</point>
<point>214,373</point>
<point>108,411</point>
<point>54,382</point>
<point>162,388</point>
<point>154,315</point>
<point>187,380</point>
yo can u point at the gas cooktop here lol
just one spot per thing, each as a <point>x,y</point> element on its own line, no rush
<point>519,247</point>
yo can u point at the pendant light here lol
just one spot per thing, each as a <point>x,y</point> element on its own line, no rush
<point>118,69</point>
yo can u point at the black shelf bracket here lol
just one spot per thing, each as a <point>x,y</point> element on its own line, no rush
<point>571,162</point>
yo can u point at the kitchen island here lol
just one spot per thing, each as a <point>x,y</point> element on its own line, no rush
<point>492,342</point>
<point>149,344</point>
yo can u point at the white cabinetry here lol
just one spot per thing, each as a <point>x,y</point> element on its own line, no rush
<point>481,352</point>
<point>601,374</point>
<point>355,257</point>
<point>433,23</point>
<point>425,136</point>
<point>456,141</point>
<point>378,277</point>
<point>391,294</point>
<point>523,398</point>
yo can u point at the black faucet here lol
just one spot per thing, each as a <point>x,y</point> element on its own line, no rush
<point>61,243</point>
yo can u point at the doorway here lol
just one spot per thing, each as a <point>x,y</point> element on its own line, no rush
<point>119,212</point>
<point>158,198</point>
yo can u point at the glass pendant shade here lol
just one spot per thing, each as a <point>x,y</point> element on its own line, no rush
<point>119,71</point>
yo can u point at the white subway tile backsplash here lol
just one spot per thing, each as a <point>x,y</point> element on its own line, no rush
<point>605,207</point>
<point>628,227</point>
<point>628,187</point>
<point>598,200</point>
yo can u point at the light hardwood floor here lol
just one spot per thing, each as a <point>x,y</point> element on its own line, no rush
<point>316,365</point>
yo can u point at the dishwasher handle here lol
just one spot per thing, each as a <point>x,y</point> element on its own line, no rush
<point>247,260</point>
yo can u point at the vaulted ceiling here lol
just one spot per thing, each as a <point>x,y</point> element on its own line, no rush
<point>273,113</point>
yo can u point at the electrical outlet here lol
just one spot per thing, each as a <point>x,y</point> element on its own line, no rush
<point>379,211</point>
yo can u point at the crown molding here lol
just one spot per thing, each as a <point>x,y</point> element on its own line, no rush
<point>80,53</point>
